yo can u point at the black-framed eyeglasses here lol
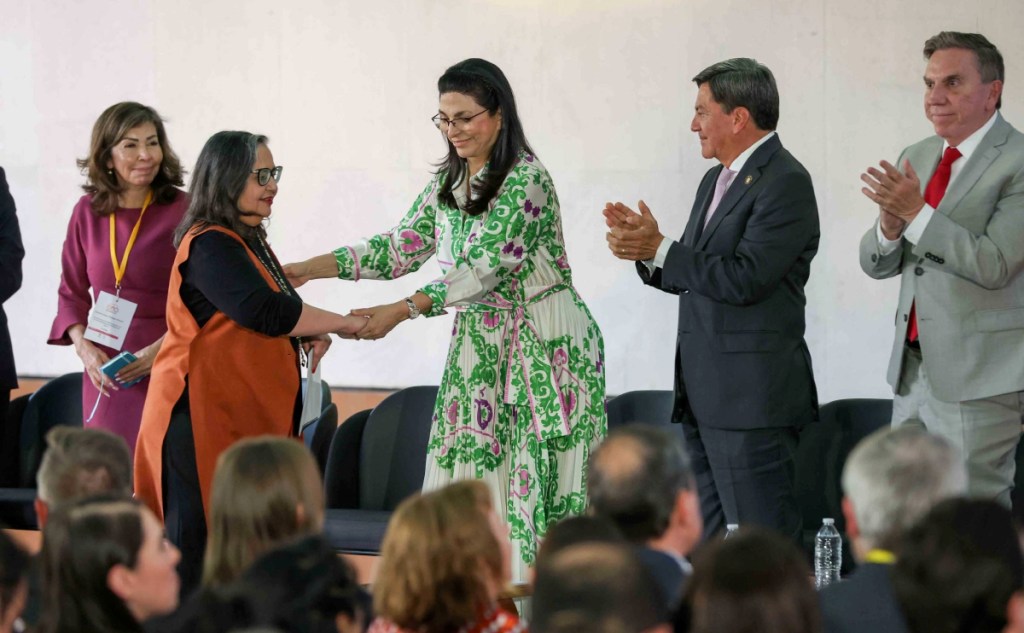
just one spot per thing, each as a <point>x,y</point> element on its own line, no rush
<point>264,175</point>
<point>460,122</point>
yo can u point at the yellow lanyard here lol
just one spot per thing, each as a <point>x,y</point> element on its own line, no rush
<point>120,268</point>
<point>880,556</point>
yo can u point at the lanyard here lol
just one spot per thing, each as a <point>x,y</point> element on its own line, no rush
<point>120,268</point>
<point>880,556</point>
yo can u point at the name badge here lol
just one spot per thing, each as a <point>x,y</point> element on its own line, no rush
<point>109,320</point>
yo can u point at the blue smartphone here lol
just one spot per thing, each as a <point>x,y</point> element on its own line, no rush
<point>115,364</point>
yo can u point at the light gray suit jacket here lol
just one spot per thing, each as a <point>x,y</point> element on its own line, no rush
<point>966,273</point>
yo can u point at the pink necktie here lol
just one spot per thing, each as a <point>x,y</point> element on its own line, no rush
<point>724,180</point>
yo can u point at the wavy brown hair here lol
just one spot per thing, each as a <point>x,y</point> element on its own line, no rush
<point>259,486</point>
<point>101,182</point>
<point>436,558</point>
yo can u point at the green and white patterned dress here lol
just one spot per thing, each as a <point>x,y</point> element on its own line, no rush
<point>521,402</point>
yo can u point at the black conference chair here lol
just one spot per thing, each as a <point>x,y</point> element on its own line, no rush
<point>391,461</point>
<point>58,402</point>
<point>821,455</point>
<point>10,441</point>
<point>648,407</point>
<point>326,427</point>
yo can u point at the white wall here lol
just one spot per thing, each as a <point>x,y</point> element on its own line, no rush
<point>345,91</point>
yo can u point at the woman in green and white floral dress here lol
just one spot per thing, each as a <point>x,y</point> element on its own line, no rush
<point>521,402</point>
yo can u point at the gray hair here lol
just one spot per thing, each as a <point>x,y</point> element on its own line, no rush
<point>743,82</point>
<point>988,57</point>
<point>220,176</point>
<point>635,477</point>
<point>894,476</point>
<point>81,463</point>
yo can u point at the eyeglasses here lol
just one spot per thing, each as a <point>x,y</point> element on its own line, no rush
<point>264,175</point>
<point>460,122</point>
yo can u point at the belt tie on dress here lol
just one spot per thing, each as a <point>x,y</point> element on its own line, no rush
<point>537,387</point>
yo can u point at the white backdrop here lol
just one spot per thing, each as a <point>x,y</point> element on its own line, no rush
<point>345,91</point>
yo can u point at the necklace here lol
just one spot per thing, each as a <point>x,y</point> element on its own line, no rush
<point>271,265</point>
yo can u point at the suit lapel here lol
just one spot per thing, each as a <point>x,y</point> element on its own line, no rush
<point>700,206</point>
<point>977,164</point>
<point>741,184</point>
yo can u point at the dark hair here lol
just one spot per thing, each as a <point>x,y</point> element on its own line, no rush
<point>487,85</point>
<point>220,176</point>
<point>958,567</point>
<point>990,61</point>
<point>301,586</point>
<point>82,463</point>
<point>574,531</point>
<point>742,82</point>
<point>598,587</point>
<point>635,477</point>
<point>754,582</point>
<point>13,572</point>
<point>107,132</point>
<point>82,541</point>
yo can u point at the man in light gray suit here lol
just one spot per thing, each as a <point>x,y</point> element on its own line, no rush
<point>956,234</point>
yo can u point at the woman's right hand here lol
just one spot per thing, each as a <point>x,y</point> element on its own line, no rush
<point>352,326</point>
<point>92,359</point>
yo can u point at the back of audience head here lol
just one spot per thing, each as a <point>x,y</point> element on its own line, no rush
<point>960,570</point>
<point>299,587</point>
<point>266,491</point>
<point>444,559</point>
<point>106,567</point>
<point>754,582</point>
<point>891,479</point>
<point>640,479</point>
<point>13,582</point>
<point>599,588</point>
<point>80,463</point>
<point>575,531</point>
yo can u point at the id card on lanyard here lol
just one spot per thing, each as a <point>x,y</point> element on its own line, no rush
<point>111,316</point>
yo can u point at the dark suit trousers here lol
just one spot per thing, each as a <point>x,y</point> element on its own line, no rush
<point>183,499</point>
<point>745,477</point>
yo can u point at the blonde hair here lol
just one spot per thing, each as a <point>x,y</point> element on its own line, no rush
<point>438,554</point>
<point>266,491</point>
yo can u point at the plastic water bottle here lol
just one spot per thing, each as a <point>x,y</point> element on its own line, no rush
<point>731,530</point>
<point>828,554</point>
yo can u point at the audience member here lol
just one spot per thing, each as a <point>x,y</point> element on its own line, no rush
<point>574,531</point>
<point>960,570</point>
<point>754,582</point>
<point>445,557</point>
<point>106,568</point>
<point>80,463</point>
<point>13,583</point>
<point>891,479</point>
<point>640,479</point>
<point>266,491</point>
<point>598,588</point>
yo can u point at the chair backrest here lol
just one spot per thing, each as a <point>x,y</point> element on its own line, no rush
<point>647,407</point>
<point>394,448</point>
<point>821,455</point>
<point>341,473</point>
<point>326,427</point>
<point>10,442</point>
<point>58,402</point>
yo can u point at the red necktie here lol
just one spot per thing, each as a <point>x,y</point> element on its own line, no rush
<point>933,196</point>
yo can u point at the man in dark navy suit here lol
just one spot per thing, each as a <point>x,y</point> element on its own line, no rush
<point>11,254</point>
<point>743,381</point>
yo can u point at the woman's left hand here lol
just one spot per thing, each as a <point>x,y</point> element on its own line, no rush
<point>143,363</point>
<point>316,346</point>
<point>381,319</point>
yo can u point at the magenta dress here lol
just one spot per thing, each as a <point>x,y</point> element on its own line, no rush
<point>86,269</point>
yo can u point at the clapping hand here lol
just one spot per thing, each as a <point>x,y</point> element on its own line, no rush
<point>632,236</point>
<point>897,194</point>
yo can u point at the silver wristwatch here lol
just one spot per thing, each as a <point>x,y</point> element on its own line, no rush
<point>413,310</point>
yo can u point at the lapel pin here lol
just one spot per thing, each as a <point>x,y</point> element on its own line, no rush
<point>749,179</point>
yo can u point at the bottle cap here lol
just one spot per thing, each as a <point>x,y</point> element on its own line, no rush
<point>828,521</point>
<point>732,526</point>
